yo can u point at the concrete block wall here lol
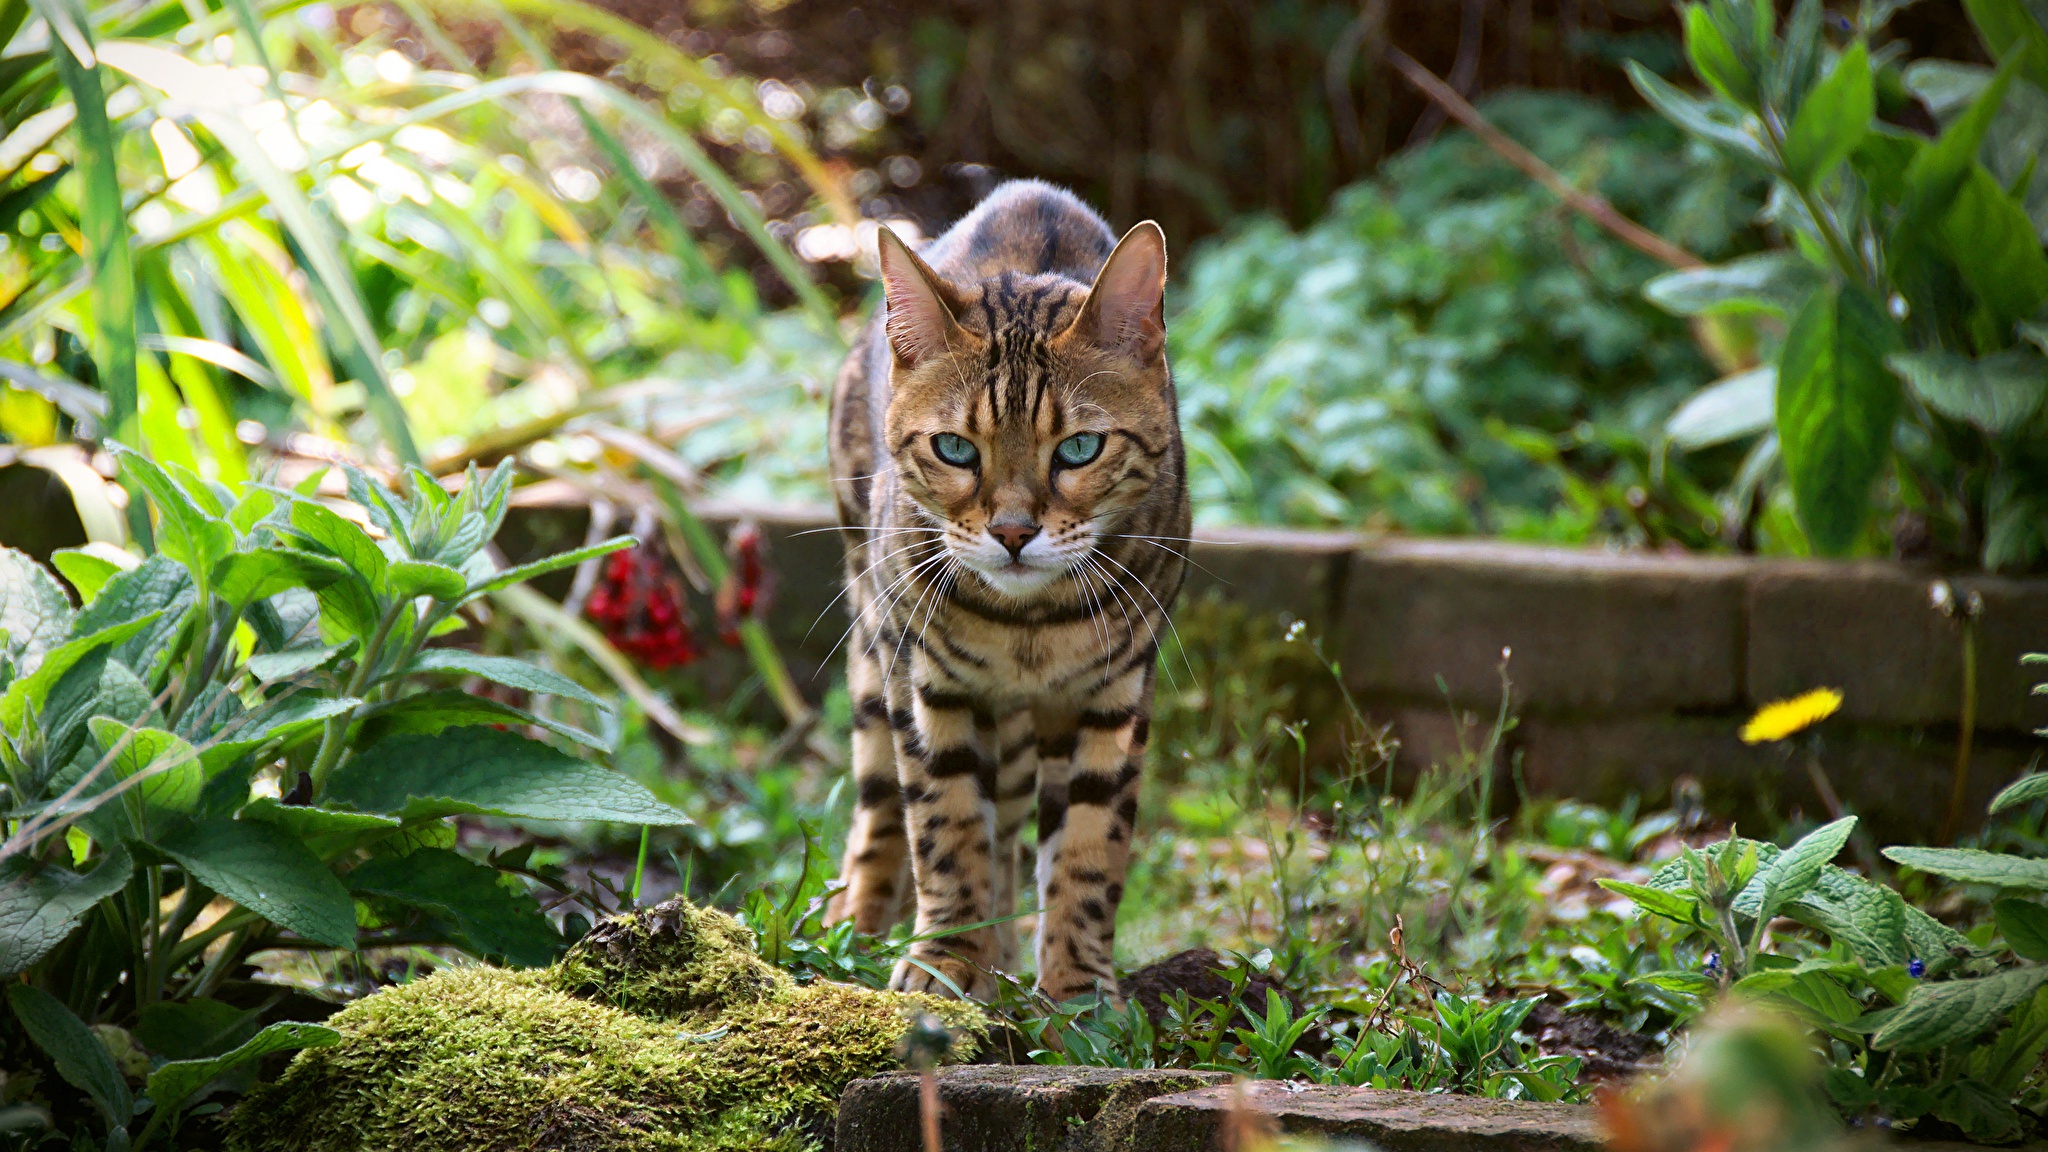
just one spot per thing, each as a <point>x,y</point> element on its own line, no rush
<point>1628,670</point>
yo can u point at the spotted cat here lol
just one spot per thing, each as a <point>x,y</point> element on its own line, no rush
<point>1008,469</point>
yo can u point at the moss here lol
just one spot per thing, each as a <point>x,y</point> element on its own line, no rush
<point>660,1031</point>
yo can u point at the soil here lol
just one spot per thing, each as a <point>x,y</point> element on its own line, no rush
<point>1197,972</point>
<point>1606,1052</point>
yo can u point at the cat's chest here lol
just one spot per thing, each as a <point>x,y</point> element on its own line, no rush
<point>1016,664</point>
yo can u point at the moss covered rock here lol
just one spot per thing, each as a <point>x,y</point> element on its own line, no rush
<point>659,1030</point>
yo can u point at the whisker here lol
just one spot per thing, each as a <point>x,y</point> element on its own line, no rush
<point>1162,611</point>
<point>849,585</point>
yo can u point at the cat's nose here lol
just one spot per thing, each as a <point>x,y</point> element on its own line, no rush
<point>1013,536</point>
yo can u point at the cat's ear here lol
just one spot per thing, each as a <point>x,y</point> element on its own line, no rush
<point>920,323</point>
<point>1126,308</point>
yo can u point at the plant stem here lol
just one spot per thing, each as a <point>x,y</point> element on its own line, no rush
<point>333,736</point>
<point>1959,783</point>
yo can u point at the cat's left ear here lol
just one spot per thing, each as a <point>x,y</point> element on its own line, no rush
<point>1126,307</point>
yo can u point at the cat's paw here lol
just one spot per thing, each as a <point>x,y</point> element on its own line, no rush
<point>941,974</point>
<point>1061,984</point>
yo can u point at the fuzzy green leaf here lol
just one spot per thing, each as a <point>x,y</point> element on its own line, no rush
<point>245,577</point>
<point>502,670</point>
<point>493,922</point>
<point>269,871</point>
<point>159,586</point>
<point>1998,394</point>
<point>1772,282</point>
<point>2024,790</point>
<point>34,612</point>
<point>292,717</point>
<point>172,771</point>
<point>1670,905</point>
<point>173,1083</point>
<point>39,906</point>
<point>1972,866</point>
<point>1715,60</point>
<point>483,771</point>
<point>341,538</point>
<point>1837,403</point>
<point>1796,870</point>
<point>1986,234</point>
<point>2024,924</point>
<point>1710,120</point>
<point>430,712</point>
<point>1832,120</point>
<point>1943,1013</point>
<point>81,1059</point>
<point>569,559</point>
<point>410,578</point>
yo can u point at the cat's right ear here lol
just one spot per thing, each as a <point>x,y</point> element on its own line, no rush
<point>920,324</point>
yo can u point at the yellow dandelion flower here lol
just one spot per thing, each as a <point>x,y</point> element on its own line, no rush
<point>1782,718</point>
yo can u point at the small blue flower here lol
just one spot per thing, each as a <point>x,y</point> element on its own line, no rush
<point>1916,968</point>
<point>1713,965</point>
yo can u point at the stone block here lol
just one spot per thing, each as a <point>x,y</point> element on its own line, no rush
<point>1589,631</point>
<point>1871,631</point>
<point>1201,1120</point>
<point>1009,1108</point>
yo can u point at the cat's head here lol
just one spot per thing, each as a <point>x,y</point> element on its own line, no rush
<point>1029,414</point>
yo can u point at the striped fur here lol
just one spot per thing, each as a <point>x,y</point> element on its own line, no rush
<point>988,674</point>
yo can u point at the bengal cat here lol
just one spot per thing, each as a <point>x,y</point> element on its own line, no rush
<point>1007,463</point>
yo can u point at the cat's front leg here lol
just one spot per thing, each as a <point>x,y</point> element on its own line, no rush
<point>1085,846</point>
<point>946,761</point>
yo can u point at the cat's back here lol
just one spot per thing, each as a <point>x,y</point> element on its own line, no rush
<point>1027,227</point>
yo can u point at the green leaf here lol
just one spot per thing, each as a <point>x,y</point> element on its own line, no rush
<point>1986,234</point>
<point>39,906</point>
<point>1711,121</point>
<point>1670,905</point>
<point>293,662</point>
<point>246,577</point>
<point>2011,31</point>
<point>1939,170</point>
<point>190,1029</point>
<point>410,578</point>
<point>1715,60</point>
<point>2024,790</point>
<point>341,538</point>
<point>269,871</point>
<point>40,688</point>
<point>1764,983</point>
<point>1833,120</point>
<point>1771,282</point>
<point>81,1059</point>
<point>525,572</point>
<point>90,567</point>
<point>2024,924</point>
<point>1837,403</point>
<point>175,775</point>
<point>1728,409</point>
<point>1972,866</point>
<point>173,1083</point>
<point>310,823</point>
<point>494,922</point>
<point>1943,1013</point>
<point>1869,919</point>
<point>1796,870</point>
<point>185,532</point>
<point>159,586</point>
<point>483,771</point>
<point>1825,995</point>
<point>34,612</point>
<point>1998,393</point>
<point>1689,983</point>
<point>288,719</point>
<point>502,670</point>
<point>430,712</point>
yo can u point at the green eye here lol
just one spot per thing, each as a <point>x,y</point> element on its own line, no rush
<point>1079,449</point>
<point>956,450</point>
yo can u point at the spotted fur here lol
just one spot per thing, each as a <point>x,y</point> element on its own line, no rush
<point>1007,613</point>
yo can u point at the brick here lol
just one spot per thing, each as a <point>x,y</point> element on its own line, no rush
<point>1201,1120</point>
<point>1008,1108</point>
<point>1870,630</point>
<point>1590,631</point>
